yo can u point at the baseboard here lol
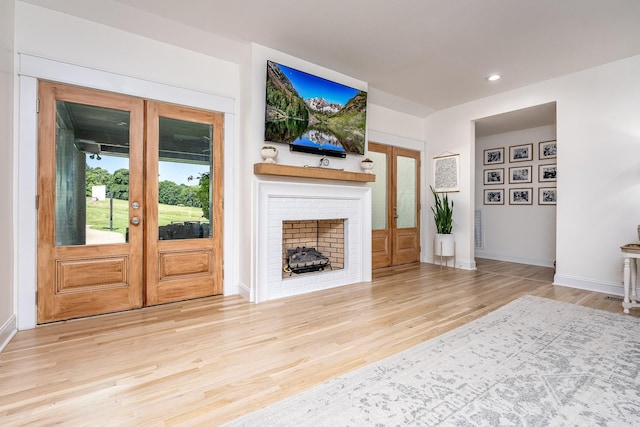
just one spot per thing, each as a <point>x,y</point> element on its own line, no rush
<point>519,260</point>
<point>588,285</point>
<point>7,331</point>
<point>463,265</point>
<point>245,292</point>
<point>237,289</point>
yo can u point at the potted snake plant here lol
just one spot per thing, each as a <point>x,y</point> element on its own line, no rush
<point>443,218</point>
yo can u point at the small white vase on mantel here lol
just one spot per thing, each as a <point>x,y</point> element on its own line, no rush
<point>366,166</point>
<point>269,153</point>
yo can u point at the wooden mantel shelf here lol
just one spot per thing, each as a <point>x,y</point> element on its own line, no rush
<point>311,172</point>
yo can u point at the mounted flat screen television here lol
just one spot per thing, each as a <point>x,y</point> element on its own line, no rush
<point>312,114</point>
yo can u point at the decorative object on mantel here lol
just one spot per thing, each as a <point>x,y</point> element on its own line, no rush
<point>324,162</point>
<point>446,170</point>
<point>444,244</point>
<point>366,165</point>
<point>269,153</point>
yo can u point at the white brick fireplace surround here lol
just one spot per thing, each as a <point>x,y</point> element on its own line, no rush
<point>282,201</point>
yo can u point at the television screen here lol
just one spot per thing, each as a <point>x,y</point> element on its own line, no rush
<point>313,114</point>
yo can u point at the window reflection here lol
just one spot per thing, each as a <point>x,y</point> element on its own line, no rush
<point>184,175</point>
<point>92,174</point>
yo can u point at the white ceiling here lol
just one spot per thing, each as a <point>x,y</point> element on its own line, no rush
<point>418,56</point>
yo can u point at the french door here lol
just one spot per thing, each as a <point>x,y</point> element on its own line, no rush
<point>395,205</point>
<point>129,202</point>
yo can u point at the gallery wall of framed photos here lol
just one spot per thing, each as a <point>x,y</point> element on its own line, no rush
<point>520,175</point>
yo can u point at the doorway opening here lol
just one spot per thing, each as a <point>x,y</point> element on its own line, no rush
<point>515,186</point>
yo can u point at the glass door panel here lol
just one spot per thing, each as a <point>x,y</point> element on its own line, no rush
<point>184,172</point>
<point>92,175</point>
<point>406,192</point>
<point>379,191</point>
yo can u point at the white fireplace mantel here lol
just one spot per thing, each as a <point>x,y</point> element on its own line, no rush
<point>278,201</point>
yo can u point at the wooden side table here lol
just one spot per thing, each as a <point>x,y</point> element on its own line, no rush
<point>630,253</point>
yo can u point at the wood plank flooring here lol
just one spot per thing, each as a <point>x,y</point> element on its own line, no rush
<point>208,361</point>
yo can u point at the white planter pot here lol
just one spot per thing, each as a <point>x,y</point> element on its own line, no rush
<point>269,155</point>
<point>366,167</point>
<point>444,245</point>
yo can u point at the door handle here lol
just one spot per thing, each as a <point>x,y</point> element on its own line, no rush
<point>135,220</point>
<point>396,216</point>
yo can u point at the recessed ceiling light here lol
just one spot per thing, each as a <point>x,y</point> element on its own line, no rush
<point>493,77</point>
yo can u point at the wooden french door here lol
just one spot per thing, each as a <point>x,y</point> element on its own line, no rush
<point>111,235</point>
<point>395,205</point>
<point>183,257</point>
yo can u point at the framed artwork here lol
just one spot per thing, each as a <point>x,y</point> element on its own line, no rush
<point>494,176</point>
<point>521,153</point>
<point>446,172</point>
<point>494,156</point>
<point>547,173</point>
<point>547,150</point>
<point>547,196</point>
<point>494,196</point>
<point>521,196</point>
<point>519,175</point>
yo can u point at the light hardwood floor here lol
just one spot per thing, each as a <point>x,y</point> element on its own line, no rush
<point>208,361</point>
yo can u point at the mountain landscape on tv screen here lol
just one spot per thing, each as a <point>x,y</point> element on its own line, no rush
<point>305,110</point>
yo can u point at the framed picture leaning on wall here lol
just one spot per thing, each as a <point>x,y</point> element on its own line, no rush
<point>521,196</point>
<point>547,173</point>
<point>494,176</point>
<point>547,150</point>
<point>518,175</point>
<point>547,196</point>
<point>494,196</point>
<point>521,153</point>
<point>494,156</point>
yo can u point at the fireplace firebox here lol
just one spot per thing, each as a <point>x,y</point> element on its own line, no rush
<point>312,245</point>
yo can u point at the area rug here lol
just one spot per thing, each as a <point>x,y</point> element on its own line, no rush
<point>532,362</point>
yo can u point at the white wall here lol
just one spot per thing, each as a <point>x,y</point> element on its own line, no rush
<point>7,307</point>
<point>598,133</point>
<point>516,233</point>
<point>49,34</point>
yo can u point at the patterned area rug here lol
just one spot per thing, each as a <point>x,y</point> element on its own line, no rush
<point>533,362</point>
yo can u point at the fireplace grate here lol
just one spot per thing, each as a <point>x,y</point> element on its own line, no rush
<point>305,260</point>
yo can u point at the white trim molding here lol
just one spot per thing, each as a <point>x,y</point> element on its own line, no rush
<point>7,331</point>
<point>589,285</point>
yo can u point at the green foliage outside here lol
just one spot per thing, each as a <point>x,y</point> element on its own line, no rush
<point>177,202</point>
<point>169,193</point>
<point>202,194</point>
<point>98,214</point>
